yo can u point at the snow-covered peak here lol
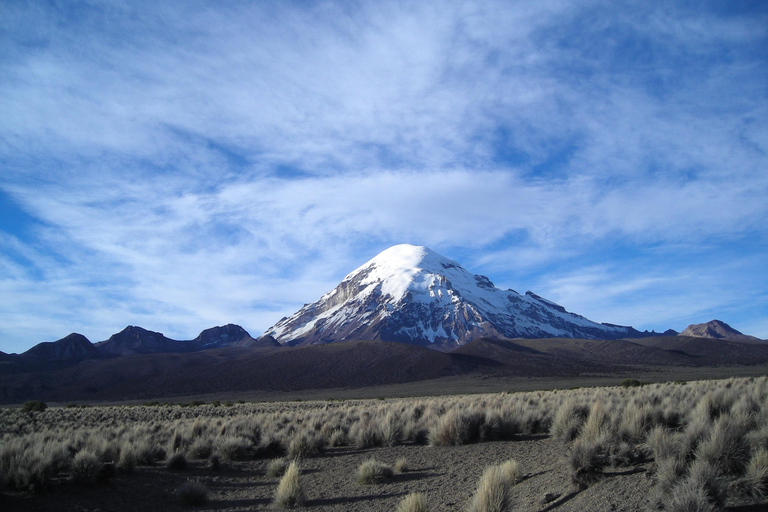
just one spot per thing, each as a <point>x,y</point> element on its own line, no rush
<point>404,257</point>
<point>402,268</point>
<point>413,294</point>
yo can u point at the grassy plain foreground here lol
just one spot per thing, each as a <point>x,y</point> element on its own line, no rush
<point>671,446</point>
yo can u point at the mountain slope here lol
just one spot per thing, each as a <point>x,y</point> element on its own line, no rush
<point>718,330</point>
<point>412,294</point>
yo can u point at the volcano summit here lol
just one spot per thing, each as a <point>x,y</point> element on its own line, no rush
<point>411,294</point>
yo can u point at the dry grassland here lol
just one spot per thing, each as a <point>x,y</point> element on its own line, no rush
<point>674,446</point>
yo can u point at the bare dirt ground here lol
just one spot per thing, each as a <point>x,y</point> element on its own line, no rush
<point>447,476</point>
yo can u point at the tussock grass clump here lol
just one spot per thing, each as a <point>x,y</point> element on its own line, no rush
<point>86,468</point>
<point>200,449</point>
<point>401,465</point>
<point>270,447</point>
<point>754,483</point>
<point>232,447</point>
<point>688,497</point>
<point>305,445</point>
<point>30,463</point>
<point>192,493</point>
<point>148,451</point>
<point>366,434</point>
<point>373,472</point>
<point>277,467</point>
<point>569,418</point>
<point>456,428</point>
<point>289,492</point>
<point>663,444</point>
<point>494,490</point>
<point>338,438</point>
<point>727,446</point>
<point>391,430</point>
<point>128,459</point>
<point>414,502</point>
<point>587,460</point>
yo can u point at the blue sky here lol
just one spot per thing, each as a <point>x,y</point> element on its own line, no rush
<point>181,165</point>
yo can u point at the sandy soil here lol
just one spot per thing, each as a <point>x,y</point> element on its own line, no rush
<point>447,476</point>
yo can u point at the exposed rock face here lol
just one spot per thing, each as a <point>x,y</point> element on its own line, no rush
<point>412,294</point>
<point>74,347</point>
<point>718,330</point>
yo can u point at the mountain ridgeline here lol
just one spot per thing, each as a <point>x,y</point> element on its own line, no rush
<point>407,293</point>
<point>376,328</point>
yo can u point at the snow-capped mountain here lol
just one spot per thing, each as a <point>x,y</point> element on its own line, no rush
<point>412,294</point>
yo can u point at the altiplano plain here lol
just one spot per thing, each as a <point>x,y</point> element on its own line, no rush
<point>711,430</point>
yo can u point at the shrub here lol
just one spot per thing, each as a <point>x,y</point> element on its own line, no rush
<point>494,489</point>
<point>34,406</point>
<point>192,493</point>
<point>414,502</point>
<point>373,472</point>
<point>289,493</point>
<point>631,383</point>
<point>86,468</point>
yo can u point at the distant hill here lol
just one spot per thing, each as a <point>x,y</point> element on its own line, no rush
<point>136,340</point>
<point>717,329</point>
<point>130,341</point>
<point>74,347</point>
<point>224,336</point>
